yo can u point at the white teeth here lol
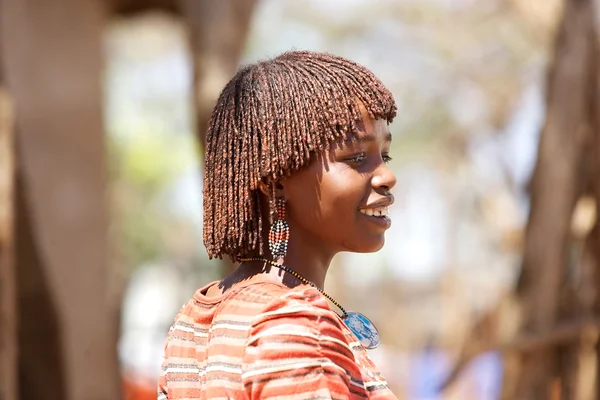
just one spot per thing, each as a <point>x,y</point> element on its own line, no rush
<point>377,212</point>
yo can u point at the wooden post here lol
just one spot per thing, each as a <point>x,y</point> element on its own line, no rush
<point>53,65</point>
<point>218,31</point>
<point>8,282</point>
<point>556,185</point>
<point>530,369</point>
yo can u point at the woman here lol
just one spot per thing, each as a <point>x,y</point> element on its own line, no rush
<point>295,172</point>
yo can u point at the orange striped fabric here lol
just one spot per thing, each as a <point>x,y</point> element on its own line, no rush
<point>263,340</point>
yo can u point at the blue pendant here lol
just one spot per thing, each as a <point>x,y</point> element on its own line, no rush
<point>364,330</point>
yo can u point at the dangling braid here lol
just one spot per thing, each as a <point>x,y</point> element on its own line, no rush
<point>268,121</point>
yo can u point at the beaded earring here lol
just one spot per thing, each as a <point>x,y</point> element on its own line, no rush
<point>279,233</point>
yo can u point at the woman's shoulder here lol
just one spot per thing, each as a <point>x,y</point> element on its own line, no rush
<point>270,308</point>
<point>279,301</point>
<point>297,346</point>
<point>269,301</point>
<point>289,314</point>
<point>260,300</point>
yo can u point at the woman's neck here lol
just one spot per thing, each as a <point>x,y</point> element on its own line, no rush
<point>305,255</point>
<point>308,259</point>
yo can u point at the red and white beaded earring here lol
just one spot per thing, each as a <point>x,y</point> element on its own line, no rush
<point>279,233</point>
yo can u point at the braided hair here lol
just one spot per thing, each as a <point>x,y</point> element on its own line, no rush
<point>268,122</point>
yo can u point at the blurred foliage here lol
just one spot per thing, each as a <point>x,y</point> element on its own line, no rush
<point>150,144</point>
<point>141,170</point>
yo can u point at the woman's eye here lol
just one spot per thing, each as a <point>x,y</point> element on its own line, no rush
<point>386,158</point>
<point>357,159</point>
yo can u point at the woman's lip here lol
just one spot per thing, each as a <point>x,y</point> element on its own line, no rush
<point>383,221</point>
<point>386,201</point>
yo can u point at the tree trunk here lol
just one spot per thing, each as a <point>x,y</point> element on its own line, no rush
<point>555,187</point>
<point>53,51</point>
<point>217,32</point>
<point>594,238</point>
<point>8,281</point>
<point>548,329</point>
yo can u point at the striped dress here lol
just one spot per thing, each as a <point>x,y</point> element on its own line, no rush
<point>263,340</point>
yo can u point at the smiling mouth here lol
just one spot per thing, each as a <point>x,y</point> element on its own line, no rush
<point>380,212</point>
<point>377,215</point>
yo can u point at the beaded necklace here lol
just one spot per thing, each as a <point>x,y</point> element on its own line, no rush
<point>361,326</point>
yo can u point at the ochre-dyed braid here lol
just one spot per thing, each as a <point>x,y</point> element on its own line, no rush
<point>268,121</point>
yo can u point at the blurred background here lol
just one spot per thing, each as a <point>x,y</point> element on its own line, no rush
<point>487,287</point>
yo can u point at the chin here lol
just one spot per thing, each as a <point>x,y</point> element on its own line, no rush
<point>370,245</point>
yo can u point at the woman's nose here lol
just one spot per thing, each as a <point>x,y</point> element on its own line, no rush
<point>384,178</point>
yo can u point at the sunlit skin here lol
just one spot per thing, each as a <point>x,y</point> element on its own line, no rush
<point>323,202</point>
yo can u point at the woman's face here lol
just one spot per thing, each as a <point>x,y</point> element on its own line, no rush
<point>339,201</point>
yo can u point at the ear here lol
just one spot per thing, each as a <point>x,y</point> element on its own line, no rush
<point>266,188</point>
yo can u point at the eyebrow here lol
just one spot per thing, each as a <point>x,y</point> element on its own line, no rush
<point>368,138</point>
